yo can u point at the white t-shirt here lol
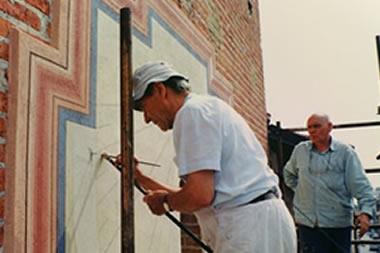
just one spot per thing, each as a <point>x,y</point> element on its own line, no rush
<point>209,134</point>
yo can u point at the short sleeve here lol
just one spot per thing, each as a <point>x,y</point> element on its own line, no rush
<point>197,139</point>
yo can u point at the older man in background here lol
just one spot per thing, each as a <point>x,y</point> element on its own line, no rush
<point>326,175</point>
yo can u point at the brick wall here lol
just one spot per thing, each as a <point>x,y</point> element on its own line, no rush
<point>232,26</point>
<point>31,16</point>
<point>236,41</point>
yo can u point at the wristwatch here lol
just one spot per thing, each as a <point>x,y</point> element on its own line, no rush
<point>166,205</point>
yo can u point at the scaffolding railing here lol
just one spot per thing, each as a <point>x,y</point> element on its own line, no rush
<point>279,141</point>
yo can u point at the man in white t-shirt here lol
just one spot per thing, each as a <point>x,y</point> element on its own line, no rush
<point>228,185</point>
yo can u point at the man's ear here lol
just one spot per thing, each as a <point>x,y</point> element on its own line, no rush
<point>160,88</point>
<point>330,125</point>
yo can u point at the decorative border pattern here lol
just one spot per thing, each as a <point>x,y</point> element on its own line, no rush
<point>43,79</point>
<point>50,84</point>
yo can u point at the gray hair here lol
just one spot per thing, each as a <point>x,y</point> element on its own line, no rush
<point>322,116</point>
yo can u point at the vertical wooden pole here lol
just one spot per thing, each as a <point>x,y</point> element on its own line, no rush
<point>378,50</point>
<point>378,61</point>
<point>280,149</point>
<point>127,177</point>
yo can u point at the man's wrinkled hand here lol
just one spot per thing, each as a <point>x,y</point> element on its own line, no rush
<point>155,201</point>
<point>363,221</point>
<point>138,172</point>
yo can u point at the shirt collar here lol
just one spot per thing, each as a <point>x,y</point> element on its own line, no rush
<point>333,145</point>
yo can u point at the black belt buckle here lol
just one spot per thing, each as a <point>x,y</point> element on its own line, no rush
<point>271,194</point>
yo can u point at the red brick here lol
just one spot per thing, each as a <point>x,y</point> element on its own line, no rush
<point>188,219</point>
<point>194,228</point>
<point>3,102</point>
<point>2,152</point>
<point>1,234</point>
<point>191,250</point>
<point>4,27</point>
<point>32,19</point>
<point>188,242</point>
<point>4,51</point>
<point>3,127</point>
<point>2,202</point>
<point>2,181</point>
<point>42,5</point>
<point>21,13</point>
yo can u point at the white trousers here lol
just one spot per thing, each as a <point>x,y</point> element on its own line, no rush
<point>263,227</point>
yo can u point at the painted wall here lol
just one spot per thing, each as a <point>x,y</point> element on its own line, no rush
<point>34,18</point>
<point>61,105</point>
<point>92,187</point>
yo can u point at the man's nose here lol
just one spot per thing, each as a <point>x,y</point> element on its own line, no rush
<point>311,130</point>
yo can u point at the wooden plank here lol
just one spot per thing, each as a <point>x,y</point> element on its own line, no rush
<point>126,117</point>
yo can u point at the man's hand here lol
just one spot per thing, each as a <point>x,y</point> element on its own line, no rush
<point>363,222</point>
<point>138,173</point>
<point>155,201</point>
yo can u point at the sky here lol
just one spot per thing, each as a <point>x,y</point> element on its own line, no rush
<point>320,56</point>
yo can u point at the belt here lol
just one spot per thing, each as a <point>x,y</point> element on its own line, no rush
<point>271,194</point>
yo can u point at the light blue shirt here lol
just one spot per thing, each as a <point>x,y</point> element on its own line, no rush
<point>326,183</point>
<point>209,134</point>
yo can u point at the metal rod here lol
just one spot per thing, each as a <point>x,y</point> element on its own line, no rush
<point>372,170</point>
<point>377,38</point>
<point>369,242</point>
<point>378,66</point>
<point>179,224</point>
<point>126,122</point>
<point>339,126</point>
<point>150,164</point>
<point>375,226</point>
<point>141,162</point>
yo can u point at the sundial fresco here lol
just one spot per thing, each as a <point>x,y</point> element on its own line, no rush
<point>64,113</point>
<point>92,189</point>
